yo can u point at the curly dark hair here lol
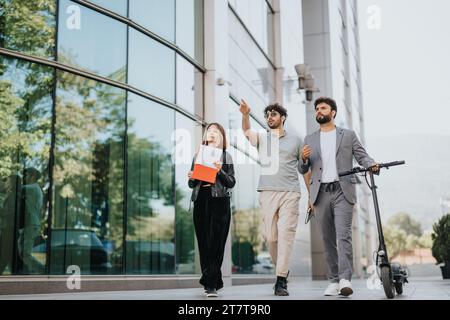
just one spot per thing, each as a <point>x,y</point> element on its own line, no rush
<point>328,101</point>
<point>278,108</point>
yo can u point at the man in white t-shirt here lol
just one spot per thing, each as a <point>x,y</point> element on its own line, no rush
<point>326,153</point>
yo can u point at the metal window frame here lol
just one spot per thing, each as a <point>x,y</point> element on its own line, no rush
<point>127,21</point>
<point>104,80</point>
<point>247,30</point>
<point>252,115</point>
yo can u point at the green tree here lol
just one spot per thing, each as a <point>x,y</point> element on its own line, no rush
<point>441,240</point>
<point>403,233</point>
<point>396,240</point>
<point>403,221</point>
<point>28,26</point>
<point>185,240</point>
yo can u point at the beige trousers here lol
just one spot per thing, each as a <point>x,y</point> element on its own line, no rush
<point>280,211</point>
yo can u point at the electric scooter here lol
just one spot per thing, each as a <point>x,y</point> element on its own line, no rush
<point>393,276</point>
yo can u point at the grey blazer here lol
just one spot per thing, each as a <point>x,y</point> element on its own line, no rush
<point>347,146</point>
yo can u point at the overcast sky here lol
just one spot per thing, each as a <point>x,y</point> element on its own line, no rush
<point>405,66</point>
<point>406,88</point>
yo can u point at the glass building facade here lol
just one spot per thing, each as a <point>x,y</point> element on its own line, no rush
<point>333,53</point>
<point>91,93</point>
<point>98,99</point>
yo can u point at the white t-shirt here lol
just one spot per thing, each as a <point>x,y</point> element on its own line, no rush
<point>328,150</point>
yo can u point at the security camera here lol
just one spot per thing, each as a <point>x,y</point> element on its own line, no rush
<point>302,71</point>
<point>310,87</point>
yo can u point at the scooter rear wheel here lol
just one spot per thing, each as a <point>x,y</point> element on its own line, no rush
<point>388,284</point>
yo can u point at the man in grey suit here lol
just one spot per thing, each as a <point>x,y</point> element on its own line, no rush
<point>327,152</point>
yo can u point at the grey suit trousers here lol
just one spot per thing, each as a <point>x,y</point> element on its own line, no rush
<point>334,214</point>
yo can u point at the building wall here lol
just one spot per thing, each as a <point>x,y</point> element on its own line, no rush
<point>265,43</point>
<point>292,53</point>
<point>332,52</point>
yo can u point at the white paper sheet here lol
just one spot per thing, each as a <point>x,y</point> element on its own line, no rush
<point>208,155</point>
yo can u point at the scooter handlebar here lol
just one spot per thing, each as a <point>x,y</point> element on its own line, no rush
<point>380,165</point>
<point>392,164</point>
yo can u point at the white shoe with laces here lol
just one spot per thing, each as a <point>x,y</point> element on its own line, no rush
<point>332,290</point>
<point>345,288</point>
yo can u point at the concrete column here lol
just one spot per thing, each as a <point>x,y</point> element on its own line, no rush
<point>316,35</point>
<point>279,71</point>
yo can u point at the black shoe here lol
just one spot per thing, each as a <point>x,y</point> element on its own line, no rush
<point>280,288</point>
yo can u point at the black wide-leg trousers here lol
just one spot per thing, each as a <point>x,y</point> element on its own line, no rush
<point>212,222</point>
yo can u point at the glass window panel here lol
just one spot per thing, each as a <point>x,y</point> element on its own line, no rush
<point>189,27</point>
<point>88,200</point>
<point>151,66</point>
<point>189,87</point>
<point>85,41</point>
<point>251,74</point>
<point>25,138</point>
<point>258,18</point>
<point>156,15</point>
<point>249,251</point>
<point>236,135</point>
<point>150,246</point>
<point>187,136</point>
<point>28,27</point>
<point>117,6</point>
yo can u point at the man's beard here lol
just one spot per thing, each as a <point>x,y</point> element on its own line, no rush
<point>275,125</point>
<point>323,119</point>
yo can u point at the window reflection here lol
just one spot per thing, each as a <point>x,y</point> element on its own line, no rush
<point>237,137</point>
<point>250,72</point>
<point>188,135</point>
<point>156,15</point>
<point>28,27</point>
<point>249,251</point>
<point>117,6</point>
<point>189,25</point>
<point>258,18</point>
<point>88,176</point>
<point>151,66</point>
<point>85,41</point>
<point>150,246</point>
<point>26,104</point>
<point>189,87</point>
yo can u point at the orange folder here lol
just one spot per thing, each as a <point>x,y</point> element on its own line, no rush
<point>204,168</point>
<point>204,173</point>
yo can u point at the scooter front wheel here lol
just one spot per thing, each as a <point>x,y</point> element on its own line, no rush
<point>399,287</point>
<point>388,284</point>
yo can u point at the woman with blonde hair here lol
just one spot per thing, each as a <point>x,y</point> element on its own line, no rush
<point>212,213</point>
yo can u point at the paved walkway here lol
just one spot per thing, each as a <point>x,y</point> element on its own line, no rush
<point>300,289</point>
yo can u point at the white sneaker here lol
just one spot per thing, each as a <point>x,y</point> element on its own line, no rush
<point>345,288</point>
<point>332,290</point>
<point>211,293</point>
